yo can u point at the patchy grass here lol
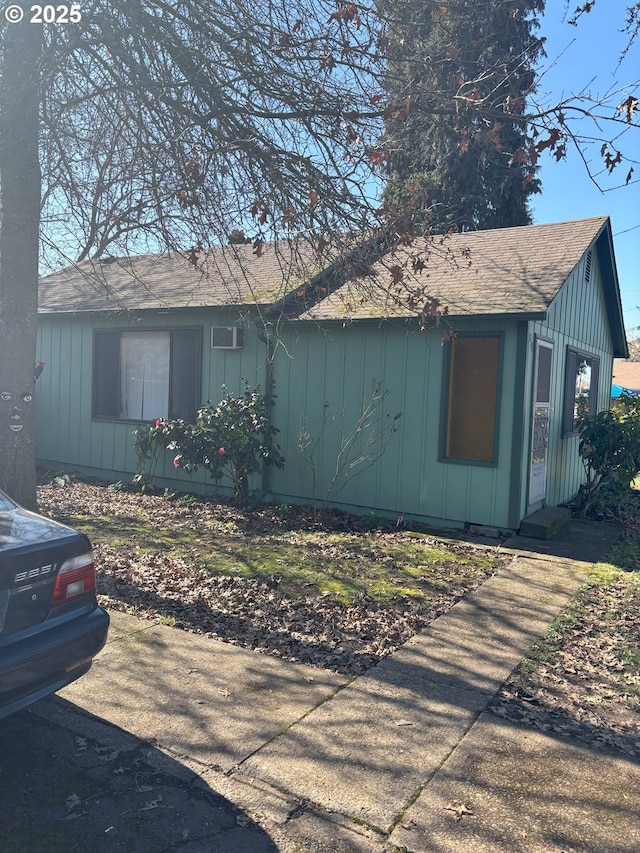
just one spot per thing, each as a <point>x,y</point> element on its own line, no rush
<point>335,591</point>
<point>582,679</point>
<point>383,564</point>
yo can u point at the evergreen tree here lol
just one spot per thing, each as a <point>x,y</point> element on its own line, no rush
<point>467,168</point>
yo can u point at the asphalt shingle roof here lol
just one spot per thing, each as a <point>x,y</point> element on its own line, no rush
<point>502,271</point>
<point>224,276</point>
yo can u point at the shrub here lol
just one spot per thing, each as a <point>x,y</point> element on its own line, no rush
<point>609,447</point>
<point>147,447</point>
<point>232,439</point>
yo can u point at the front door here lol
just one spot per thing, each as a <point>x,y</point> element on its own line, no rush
<point>540,428</point>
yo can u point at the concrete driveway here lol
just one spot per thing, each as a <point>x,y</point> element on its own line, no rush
<point>73,782</point>
<point>175,742</point>
<point>139,755</point>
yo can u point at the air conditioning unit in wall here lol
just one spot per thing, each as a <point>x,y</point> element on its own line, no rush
<point>227,337</point>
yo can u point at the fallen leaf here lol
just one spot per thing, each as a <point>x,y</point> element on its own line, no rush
<point>597,645</point>
<point>459,809</point>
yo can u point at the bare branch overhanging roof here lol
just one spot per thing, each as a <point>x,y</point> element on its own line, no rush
<point>227,275</point>
<point>502,271</point>
<point>507,271</point>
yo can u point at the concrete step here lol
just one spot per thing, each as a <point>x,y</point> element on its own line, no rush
<point>546,523</point>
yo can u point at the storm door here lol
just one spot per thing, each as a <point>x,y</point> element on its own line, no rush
<point>540,428</point>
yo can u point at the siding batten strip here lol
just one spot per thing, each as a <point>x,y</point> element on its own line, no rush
<point>519,444</point>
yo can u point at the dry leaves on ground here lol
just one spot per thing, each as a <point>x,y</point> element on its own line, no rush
<point>316,628</point>
<point>583,684</point>
<point>586,682</point>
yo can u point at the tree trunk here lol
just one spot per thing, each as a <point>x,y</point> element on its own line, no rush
<point>20,50</point>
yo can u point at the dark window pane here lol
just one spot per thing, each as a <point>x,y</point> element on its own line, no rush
<point>472,399</point>
<point>570,392</point>
<point>106,374</point>
<point>543,391</point>
<point>185,374</point>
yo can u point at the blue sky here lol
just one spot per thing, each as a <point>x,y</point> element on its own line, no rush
<point>590,59</point>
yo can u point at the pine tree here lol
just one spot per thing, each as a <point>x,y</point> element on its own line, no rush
<point>465,169</point>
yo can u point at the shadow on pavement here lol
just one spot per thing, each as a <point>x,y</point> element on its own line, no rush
<point>583,540</point>
<point>71,782</point>
<point>525,792</point>
<point>212,701</point>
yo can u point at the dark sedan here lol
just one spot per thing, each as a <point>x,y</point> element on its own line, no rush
<point>51,626</point>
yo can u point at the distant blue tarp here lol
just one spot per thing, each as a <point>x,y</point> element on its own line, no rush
<point>617,390</point>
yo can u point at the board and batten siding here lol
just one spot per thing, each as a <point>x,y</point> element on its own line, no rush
<point>66,434</point>
<point>324,375</point>
<point>577,318</point>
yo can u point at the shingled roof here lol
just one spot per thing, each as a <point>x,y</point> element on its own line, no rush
<point>228,275</point>
<point>502,271</point>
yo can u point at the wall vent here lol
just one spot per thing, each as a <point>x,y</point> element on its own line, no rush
<point>587,267</point>
<point>227,337</point>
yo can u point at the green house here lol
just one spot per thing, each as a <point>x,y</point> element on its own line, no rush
<point>439,381</point>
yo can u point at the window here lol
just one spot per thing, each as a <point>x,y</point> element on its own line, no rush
<point>581,388</point>
<point>144,375</point>
<point>472,371</point>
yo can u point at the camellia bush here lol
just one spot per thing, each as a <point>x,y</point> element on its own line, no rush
<point>610,447</point>
<point>230,440</point>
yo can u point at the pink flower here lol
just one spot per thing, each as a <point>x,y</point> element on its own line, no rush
<point>221,451</point>
<point>158,421</point>
<point>176,462</point>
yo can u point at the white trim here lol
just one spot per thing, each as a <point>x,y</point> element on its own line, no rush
<point>237,337</point>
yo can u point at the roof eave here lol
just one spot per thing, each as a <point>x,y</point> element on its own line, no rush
<point>511,316</point>
<point>169,309</point>
<point>613,299</point>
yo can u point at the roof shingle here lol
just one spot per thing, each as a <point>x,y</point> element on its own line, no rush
<point>502,271</point>
<point>228,275</point>
<point>627,374</point>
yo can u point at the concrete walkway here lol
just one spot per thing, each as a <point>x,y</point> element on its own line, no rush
<point>325,763</point>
